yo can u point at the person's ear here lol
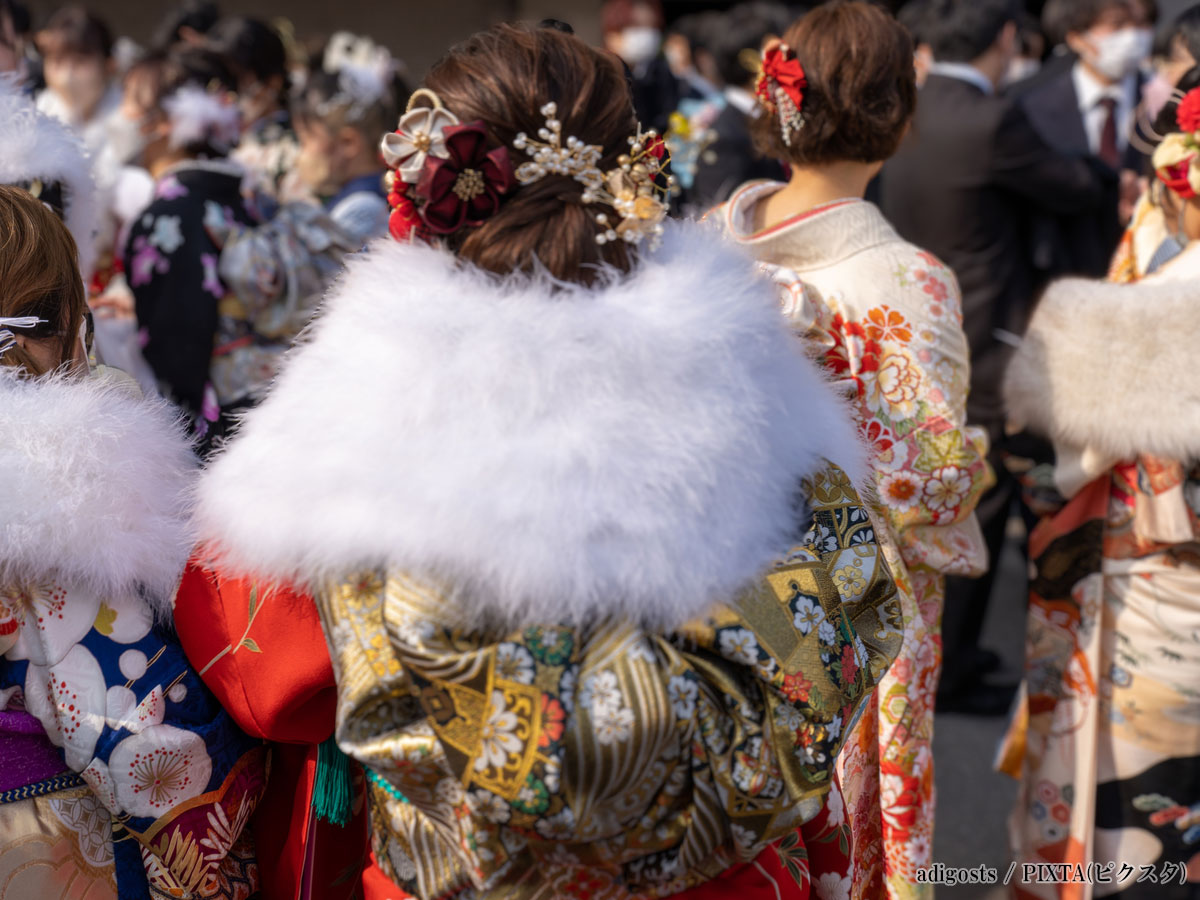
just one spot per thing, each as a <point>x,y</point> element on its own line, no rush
<point>161,129</point>
<point>349,143</point>
<point>1009,41</point>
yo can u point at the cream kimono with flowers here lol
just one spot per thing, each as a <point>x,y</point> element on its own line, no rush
<point>885,319</point>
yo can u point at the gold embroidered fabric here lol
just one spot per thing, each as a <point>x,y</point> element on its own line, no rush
<point>636,764</point>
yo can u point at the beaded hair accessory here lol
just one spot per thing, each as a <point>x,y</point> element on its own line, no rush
<point>780,89</point>
<point>444,178</point>
<point>1176,160</point>
<point>633,190</point>
<point>8,340</point>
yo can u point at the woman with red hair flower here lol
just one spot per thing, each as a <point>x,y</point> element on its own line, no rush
<point>837,94</point>
<point>1105,742</point>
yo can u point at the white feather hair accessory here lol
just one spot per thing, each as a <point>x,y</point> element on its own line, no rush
<point>364,70</point>
<point>198,115</point>
<point>35,146</point>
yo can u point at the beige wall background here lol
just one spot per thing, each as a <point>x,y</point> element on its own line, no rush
<point>418,31</point>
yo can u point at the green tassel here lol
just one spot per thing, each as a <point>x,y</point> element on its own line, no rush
<point>332,794</point>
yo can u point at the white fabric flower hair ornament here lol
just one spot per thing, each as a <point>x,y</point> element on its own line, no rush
<point>419,134</point>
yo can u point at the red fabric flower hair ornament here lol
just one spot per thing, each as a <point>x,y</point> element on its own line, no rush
<point>780,88</point>
<point>1177,159</point>
<point>465,187</point>
<point>443,175</point>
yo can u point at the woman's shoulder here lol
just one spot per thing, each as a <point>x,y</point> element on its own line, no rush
<point>99,480</point>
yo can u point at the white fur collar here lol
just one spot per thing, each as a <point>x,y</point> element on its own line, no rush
<point>1111,367</point>
<point>560,455</point>
<point>95,486</point>
<point>35,145</point>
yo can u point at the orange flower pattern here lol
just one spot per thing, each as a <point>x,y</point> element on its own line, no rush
<point>904,363</point>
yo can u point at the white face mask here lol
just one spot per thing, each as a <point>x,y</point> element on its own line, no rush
<point>126,140</point>
<point>640,44</point>
<point>81,90</point>
<point>1120,53</point>
<point>1020,68</point>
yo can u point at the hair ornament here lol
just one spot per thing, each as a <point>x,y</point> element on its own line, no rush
<point>465,186</point>
<point>780,88</point>
<point>1176,160</point>
<point>364,72</point>
<point>197,115</point>
<point>443,175</point>
<point>632,190</point>
<point>418,135</point>
<point>7,339</point>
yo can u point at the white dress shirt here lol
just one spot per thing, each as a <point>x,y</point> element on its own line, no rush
<point>963,72</point>
<point>741,100</point>
<point>1090,92</point>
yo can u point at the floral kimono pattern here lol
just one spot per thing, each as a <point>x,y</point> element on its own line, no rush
<point>192,329</point>
<point>609,762</point>
<point>155,783</point>
<point>1105,740</point>
<point>885,319</point>
<point>1111,661</point>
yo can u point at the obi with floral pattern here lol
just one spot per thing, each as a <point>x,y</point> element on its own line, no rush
<point>533,762</point>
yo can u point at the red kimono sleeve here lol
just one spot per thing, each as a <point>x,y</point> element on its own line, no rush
<point>261,651</point>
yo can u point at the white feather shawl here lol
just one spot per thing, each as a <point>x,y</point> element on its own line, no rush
<point>96,483</point>
<point>558,454</point>
<point>1109,368</point>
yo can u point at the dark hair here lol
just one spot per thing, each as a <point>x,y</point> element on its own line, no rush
<point>558,25</point>
<point>914,16</point>
<point>616,15</point>
<point>733,36</point>
<point>861,92</point>
<point>18,14</point>
<point>160,74</point>
<point>39,267</point>
<point>191,15</point>
<point>1031,36</point>
<point>503,77</point>
<point>1166,122</point>
<point>1061,17</point>
<point>252,48</point>
<point>963,30</point>
<point>1185,31</point>
<point>74,31</point>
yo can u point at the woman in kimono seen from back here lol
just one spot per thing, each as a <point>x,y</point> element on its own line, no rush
<point>120,775</point>
<point>601,603</point>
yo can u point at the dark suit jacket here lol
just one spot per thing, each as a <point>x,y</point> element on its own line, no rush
<point>964,185</point>
<point>1072,244</point>
<point>729,162</point>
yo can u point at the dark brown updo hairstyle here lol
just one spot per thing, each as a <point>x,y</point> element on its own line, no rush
<point>504,76</point>
<point>861,92</point>
<point>39,269</point>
